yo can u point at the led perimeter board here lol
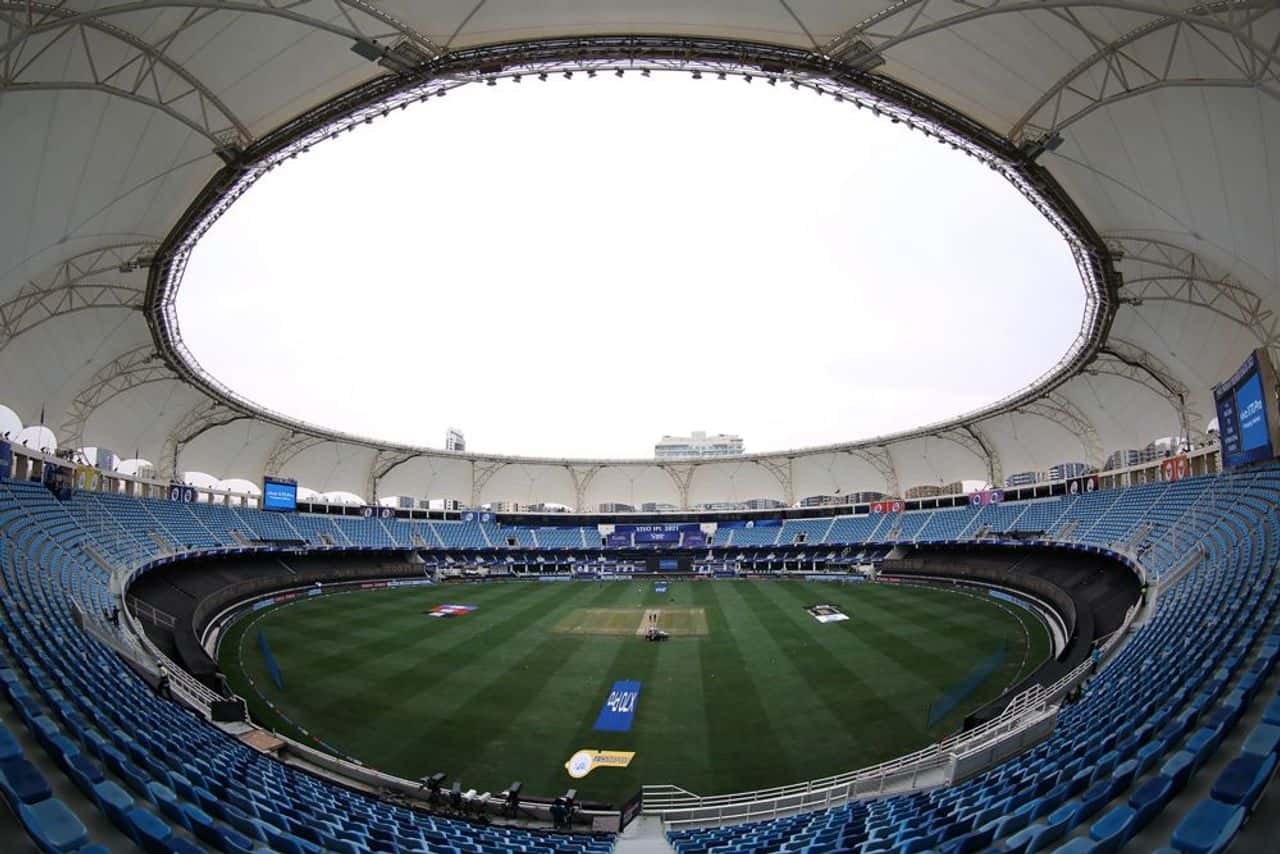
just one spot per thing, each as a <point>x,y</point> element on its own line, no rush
<point>1248,412</point>
<point>279,494</point>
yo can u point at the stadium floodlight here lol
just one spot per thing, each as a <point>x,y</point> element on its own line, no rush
<point>720,76</point>
<point>591,72</point>
<point>773,81</point>
<point>517,77</point>
<point>492,81</point>
<point>543,77</point>
<point>568,75</point>
<point>697,75</point>
<point>435,781</point>
<point>617,72</point>
<point>644,73</point>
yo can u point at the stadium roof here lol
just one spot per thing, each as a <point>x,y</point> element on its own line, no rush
<point>124,123</point>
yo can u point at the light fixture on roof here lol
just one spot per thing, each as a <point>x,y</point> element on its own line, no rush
<point>697,75</point>
<point>617,72</point>
<point>591,72</point>
<point>568,75</point>
<point>720,76</point>
<point>492,81</point>
<point>644,73</point>
<point>773,81</point>
<point>795,84</point>
<point>543,76</point>
<point>517,77</point>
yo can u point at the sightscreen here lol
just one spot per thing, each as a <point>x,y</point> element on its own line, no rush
<point>1248,418</point>
<point>279,494</point>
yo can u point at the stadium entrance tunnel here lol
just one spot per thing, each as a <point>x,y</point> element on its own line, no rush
<point>996,603</point>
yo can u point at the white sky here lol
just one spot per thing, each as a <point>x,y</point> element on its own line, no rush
<point>574,268</point>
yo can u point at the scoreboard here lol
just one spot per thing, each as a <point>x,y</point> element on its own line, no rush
<point>1248,414</point>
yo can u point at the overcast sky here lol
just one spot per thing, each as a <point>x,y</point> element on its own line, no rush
<point>575,268</point>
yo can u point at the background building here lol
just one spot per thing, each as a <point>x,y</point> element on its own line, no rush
<point>698,445</point>
<point>454,440</point>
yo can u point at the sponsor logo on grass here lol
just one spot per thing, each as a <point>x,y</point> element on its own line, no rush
<point>450,610</point>
<point>827,613</point>
<point>660,588</point>
<point>619,708</point>
<point>584,762</point>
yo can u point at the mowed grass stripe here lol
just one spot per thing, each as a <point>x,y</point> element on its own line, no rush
<point>742,742</point>
<point>769,696</point>
<point>801,679</point>
<point>445,678</point>
<point>904,657</point>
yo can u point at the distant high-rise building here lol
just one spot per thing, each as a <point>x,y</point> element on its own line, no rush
<point>928,490</point>
<point>764,504</point>
<point>1024,478</point>
<point>615,507</point>
<point>454,440</point>
<point>698,445</point>
<point>657,507</point>
<point>1062,471</point>
<point>106,459</point>
<point>1122,458</point>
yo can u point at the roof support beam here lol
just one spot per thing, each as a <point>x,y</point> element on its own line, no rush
<point>1168,272</point>
<point>381,465</point>
<point>1060,410</point>
<point>112,60</point>
<point>1128,361</point>
<point>89,280</point>
<point>201,418</point>
<point>1117,70</point>
<point>582,477</point>
<point>136,367</point>
<point>287,447</point>
<point>482,471</point>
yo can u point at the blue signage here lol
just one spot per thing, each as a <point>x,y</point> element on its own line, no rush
<point>657,537</point>
<point>6,459</point>
<point>279,494</point>
<point>1246,412</point>
<point>618,541</point>
<point>619,708</point>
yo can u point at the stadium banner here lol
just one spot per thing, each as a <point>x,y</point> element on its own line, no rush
<point>694,540</point>
<point>6,459</point>
<point>1081,485</point>
<point>181,493</point>
<point>619,707</point>
<point>646,537</point>
<point>584,762</point>
<point>88,478</point>
<point>618,541</point>
<point>985,497</point>
<point>887,506</point>
<point>1175,468</point>
<point>669,527</point>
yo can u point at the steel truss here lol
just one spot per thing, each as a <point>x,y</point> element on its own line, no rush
<point>589,56</point>
<point>204,416</point>
<point>1128,361</point>
<point>136,367</point>
<point>109,59</point>
<point>1116,70</point>
<point>92,279</point>
<point>1057,408</point>
<point>1172,273</point>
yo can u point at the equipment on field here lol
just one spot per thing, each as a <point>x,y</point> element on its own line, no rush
<point>512,798</point>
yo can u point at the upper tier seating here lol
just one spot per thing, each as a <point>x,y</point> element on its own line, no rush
<point>168,768</point>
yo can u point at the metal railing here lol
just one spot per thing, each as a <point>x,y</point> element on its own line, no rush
<point>1029,717</point>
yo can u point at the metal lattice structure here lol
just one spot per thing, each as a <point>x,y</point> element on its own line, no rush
<point>1144,132</point>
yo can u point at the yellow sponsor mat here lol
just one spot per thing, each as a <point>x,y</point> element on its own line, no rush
<point>585,761</point>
